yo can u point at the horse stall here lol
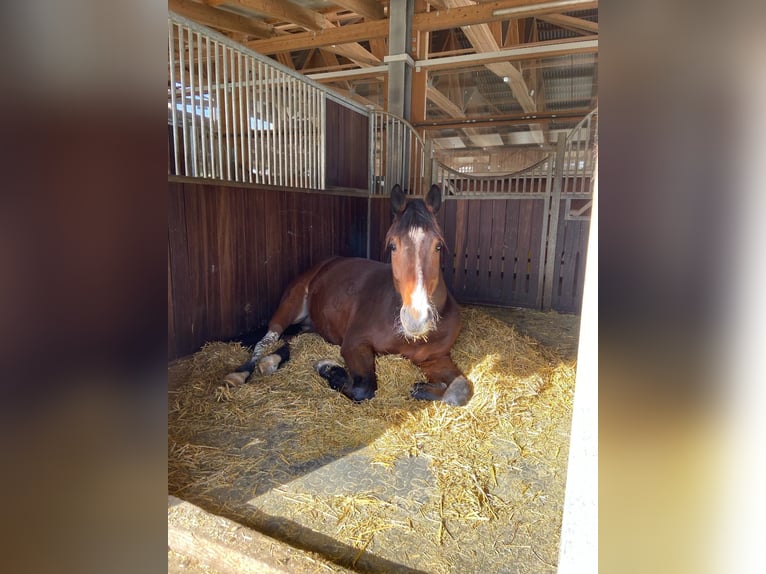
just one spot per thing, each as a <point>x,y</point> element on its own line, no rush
<point>270,173</point>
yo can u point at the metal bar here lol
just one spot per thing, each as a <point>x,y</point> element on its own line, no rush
<point>218,110</point>
<point>203,149</point>
<point>291,127</point>
<point>195,169</point>
<point>231,124</point>
<point>282,136</point>
<point>211,140</point>
<point>274,127</point>
<point>174,107</point>
<point>243,129</point>
<point>283,131</point>
<point>259,124</point>
<point>269,144</point>
<point>182,65</point>
<point>310,137</point>
<point>249,119</point>
<point>322,141</point>
<point>226,111</point>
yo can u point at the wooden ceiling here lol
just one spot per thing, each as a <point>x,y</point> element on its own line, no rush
<point>484,70</point>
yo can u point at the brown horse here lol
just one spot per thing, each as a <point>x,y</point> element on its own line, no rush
<point>371,308</point>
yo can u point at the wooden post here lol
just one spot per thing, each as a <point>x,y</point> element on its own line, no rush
<point>553,222</point>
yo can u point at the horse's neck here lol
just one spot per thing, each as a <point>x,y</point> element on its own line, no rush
<point>440,294</point>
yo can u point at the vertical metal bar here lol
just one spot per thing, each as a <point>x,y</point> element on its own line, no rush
<point>303,106</point>
<point>200,77</point>
<point>322,142</point>
<point>226,110</point>
<point>286,92</point>
<point>269,114</point>
<point>219,102</point>
<point>274,127</point>
<point>281,129</point>
<point>290,111</point>
<point>277,129</point>
<point>193,106</point>
<point>249,118</point>
<point>260,124</point>
<point>234,131</point>
<point>182,65</point>
<point>307,130</point>
<point>211,141</point>
<point>371,165</point>
<point>242,120</point>
<point>173,88</point>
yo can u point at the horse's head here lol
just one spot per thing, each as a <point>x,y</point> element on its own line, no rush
<point>415,241</point>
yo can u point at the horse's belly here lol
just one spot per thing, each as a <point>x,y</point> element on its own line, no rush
<point>344,293</point>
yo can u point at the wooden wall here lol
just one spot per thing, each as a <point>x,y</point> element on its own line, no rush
<point>569,265</point>
<point>347,147</point>
<point>493,250</point>
<point>232,249</point>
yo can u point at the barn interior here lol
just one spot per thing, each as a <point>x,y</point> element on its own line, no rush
<point>288,122</point>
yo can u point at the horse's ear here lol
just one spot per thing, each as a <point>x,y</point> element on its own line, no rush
<point>398,199</point>
<point>434,198</point>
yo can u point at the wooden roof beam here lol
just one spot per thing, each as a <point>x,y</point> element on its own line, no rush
<point>279,9</point>
<point>421,22</point>
<point>320,39</point>
<point>370,9</point>
<point>490,11</point>
<point>220,19</point>
<point>313,21</point>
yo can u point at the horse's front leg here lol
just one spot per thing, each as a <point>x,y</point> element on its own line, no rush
<point>357,380</point>
<point>446,383</point>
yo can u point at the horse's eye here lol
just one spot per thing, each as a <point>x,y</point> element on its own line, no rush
<point>392,246</point>
<point>438,247</point>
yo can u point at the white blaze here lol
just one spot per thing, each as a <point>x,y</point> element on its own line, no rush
<point>419,300</point>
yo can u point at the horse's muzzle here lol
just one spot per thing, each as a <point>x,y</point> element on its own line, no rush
<point>416,325</point>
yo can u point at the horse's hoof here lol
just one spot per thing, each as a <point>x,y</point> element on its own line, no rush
<point>458,393</point>
<point>235,379</point>
<point>335,375</point>
<point>325,365</point>
<point>427,391</point>
<point>269,364</point>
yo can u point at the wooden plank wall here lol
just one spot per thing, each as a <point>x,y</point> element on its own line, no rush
<point>347,147</point>
<point>569,265</point>
<point>232,249</point>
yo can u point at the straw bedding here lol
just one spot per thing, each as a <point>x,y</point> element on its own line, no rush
<point>498,464</point>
